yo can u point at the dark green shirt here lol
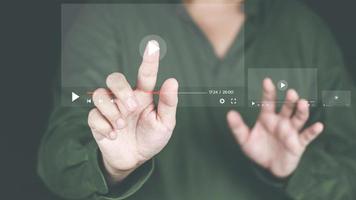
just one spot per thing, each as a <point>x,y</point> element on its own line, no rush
<point>202,159</point>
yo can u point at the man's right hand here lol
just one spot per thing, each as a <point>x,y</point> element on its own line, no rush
<point>131,130</point>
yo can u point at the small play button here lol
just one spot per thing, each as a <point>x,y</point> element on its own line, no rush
<point>282,85</point>
<point>153,47</point>
<point>74,96</point>
<point>154,43</point>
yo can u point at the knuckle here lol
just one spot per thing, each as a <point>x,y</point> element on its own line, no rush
<point>302,115</point>
<point>112,115</point>
<point>103,128</point>
<point>289,104</point>
<point>98,94</point>
<point>267,95</point>
<point>147,72</point>
<point>284,126</point>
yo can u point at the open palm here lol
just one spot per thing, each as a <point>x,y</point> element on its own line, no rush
<point>277,140</point>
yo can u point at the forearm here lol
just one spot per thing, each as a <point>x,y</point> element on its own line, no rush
<point>70,164</point>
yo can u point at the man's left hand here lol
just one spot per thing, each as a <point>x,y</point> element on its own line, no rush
<point>277,140</point>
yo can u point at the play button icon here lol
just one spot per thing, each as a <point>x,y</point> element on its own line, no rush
<point>154,43</point>
<point>74,96</point>
<point>282,85</point>
<point>153,47</point>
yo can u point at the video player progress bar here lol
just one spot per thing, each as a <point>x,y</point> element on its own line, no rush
<point>157,92</point>
<point>193,93</point>
<point>310,101</point>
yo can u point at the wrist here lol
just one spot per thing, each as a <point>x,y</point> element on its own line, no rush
<point>115,175</point>
<point>268,177</point>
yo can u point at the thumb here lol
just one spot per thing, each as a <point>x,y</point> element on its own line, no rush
<point>167,104</point>
<point>238,126</point>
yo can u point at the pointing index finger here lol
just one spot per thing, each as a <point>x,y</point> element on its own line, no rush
<point>147,73</point>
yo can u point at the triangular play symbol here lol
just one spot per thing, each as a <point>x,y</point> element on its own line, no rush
<point>153,47</point>
<point>74,96</point>
<point>283,85</point>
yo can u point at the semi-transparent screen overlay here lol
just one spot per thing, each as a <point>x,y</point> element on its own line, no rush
<point>99,39</point>
<point>105,38</point>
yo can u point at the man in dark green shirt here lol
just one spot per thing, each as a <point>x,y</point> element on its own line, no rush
<point>123,153</point>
